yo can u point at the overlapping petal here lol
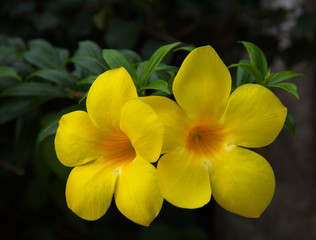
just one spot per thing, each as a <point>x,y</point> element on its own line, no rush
<point>184,180</point>
<point>77,140</point>
<point>243,182</point>
<point>174,119</point>
<point>144,129</point>
<point>90,189</point>
<point>254,116</point>
<point>106,96</point>
<point>137,194</point>
<point>203,83</point>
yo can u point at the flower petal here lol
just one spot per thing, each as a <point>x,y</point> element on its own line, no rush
<point>90,188</point>
<point>184,180</point>
<point>243,182</point>
<point>203,83</point>
<point>144,129</point>
<point>254,116</point>
<point>106,96</point>
<point>174,119</point>
<point>77,140</point>
<point>137,194</point>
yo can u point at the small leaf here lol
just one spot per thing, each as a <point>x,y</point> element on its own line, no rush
<point>131,56</point>
<point>242,76</point>
<point>257,57</point>
<point>12,108</point>
<point>8,72</point>
<point>160,85</point>
<point>187,48</point>
<point>51,126</point>
<point>89,48</point>
<point>155,60</point>
<point>56,76</point>
<point>282,76</point>
<point>115,60</point>
<point>251,69</point>
<point>90,64</point>
<point>289,87</point>
<point>34,89</point>
<point>290,123</point>
<point>88,80</point>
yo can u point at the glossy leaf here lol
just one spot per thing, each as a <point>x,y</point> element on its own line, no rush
<point>160,85</point>
<point>282,76</point>
<point>251,69</point>
<point>34,89</point>
<point>289,87</point>
<point>115,60</point>
<point>257,57</point>
<point>154,61</point>
<point>90,64</point>
<point>290,123</point>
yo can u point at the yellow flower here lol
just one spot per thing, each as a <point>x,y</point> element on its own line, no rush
<point>112,146</point>
<point>207,134</point>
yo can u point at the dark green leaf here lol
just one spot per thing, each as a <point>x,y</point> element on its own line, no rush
<point>289,87</point>
<point>251,69</point>
<point>257,58</point>
<point>56,76</point>
<point>115,59</point>
<point>89,48</point>
<point>167,68</point>
<point>12,108</point>
<point>90,64</point>
<point>282,76</point>
<point>242,76</point>
<point>187,48</point>
<point>131,56</point>
<point>290,123</point>
<point>88,80</point>
<point>8,72</point>
<point>160,85</point>
<point>154,61</point>
<point>51,126</point>
<point>34,89</point>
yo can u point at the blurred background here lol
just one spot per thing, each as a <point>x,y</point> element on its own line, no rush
<point>32,181</point>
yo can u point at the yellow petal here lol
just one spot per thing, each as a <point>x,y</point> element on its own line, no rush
<point>203,83</point>
<point>243,182</point>
<point>90,188</point>
<point>137,194</point>
<point>144,129</point>
<point>106,96</point>
<point>77,140</point>
<point>174,119</point>
<point>184,180</point>
<point>254,116</point>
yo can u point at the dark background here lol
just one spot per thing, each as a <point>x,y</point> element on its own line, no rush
<point>32,202</point>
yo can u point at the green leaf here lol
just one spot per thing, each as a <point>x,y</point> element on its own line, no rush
<point>12,108</point>
<point>34,89</point>
<point>90,64</point>
<point>8,72</point>
<point>88,80</point>
<point>282,76</point>
<point>290,123</point>
<point>115,59</point>
<point>56,76</point>
<point>257,58</point>
<point>51,126</point>
<point>131,56</point>
<point>160,85</point>
<point>187,48</point>
<point>89,48</point>
<point>289,87</point>
<point>242,76</point>
<point>154,61</point>
<point>251,69</point>
<point>167,68</point>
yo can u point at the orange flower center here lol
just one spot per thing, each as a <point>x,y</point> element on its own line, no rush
<point>205,140</point>
<point>118,147</point>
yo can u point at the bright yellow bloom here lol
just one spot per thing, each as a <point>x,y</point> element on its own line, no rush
<point>112,146</point>
<point>207,134</point>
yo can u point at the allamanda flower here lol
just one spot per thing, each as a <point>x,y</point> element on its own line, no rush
<point>111,147</point>
<point>207,136</point>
